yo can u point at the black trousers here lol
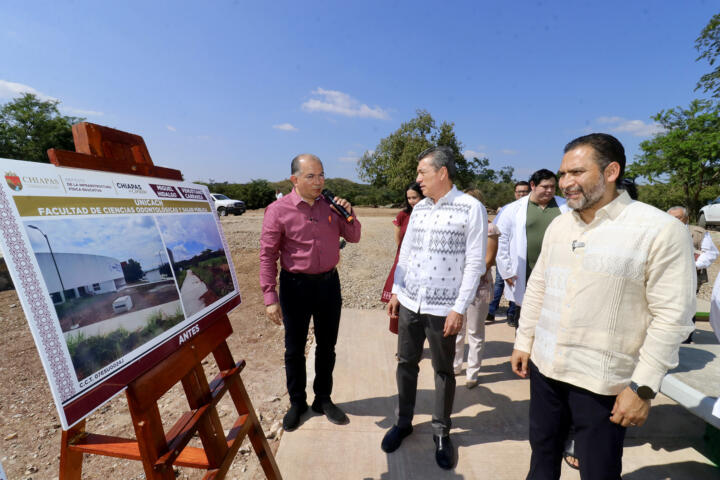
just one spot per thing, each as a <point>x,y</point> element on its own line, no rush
<point>554,406</point>
<point>302,297</point>
<point>413,329</point>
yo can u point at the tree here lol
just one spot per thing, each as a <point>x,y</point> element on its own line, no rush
<point>30,126</point>
<point>257,193</point>
<point>393,164</point>
<point>708,44</point>
<point>687,154</point>
<point>132,270</point>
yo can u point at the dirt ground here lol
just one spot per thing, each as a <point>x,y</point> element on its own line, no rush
<point>29,426</point>
<point>89,310</point>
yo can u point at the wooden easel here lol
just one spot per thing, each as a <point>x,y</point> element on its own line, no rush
<point>102,148</point>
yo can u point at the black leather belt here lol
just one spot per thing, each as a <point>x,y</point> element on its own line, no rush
<point>311,276</point>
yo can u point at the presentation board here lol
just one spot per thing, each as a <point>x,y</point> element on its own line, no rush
<point>114,272</point>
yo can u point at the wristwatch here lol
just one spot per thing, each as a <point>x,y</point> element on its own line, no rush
<point>643,391</point>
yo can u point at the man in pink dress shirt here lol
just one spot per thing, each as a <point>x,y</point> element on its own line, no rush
<point>303,230</point>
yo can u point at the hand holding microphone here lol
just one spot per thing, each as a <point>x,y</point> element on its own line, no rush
<point>330,197</point>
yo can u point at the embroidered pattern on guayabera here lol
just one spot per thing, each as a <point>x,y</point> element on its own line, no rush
<point>442,296</point>
<point>447,242</point>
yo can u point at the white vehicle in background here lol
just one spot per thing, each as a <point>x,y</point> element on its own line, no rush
<point>710,215</point>
<point>225,205</point>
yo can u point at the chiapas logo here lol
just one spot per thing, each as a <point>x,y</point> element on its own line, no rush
<point>13,181</point>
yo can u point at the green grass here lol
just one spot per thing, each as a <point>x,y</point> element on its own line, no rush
<point>90,354</point>
<point>181,277</point>
<point>220,283</point>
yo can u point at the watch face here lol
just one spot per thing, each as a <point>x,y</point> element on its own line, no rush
<point>645,392</point>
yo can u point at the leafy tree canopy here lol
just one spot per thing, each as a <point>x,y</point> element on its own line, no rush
<point>393,164</point>
<point>132,270</point>
<point>708,44</point>
<point>30,126</point>
<point>687,154</point>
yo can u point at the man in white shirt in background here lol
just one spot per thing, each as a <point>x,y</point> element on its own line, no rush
<point>705,250</point>
<point>522,189</point>
<point>522,226</point>
<point>606,308</point>
<point>441,261</point>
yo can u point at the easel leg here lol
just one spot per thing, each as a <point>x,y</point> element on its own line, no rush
<point>210,429</point>
<point>71,462</point>
<point>224,360</point>
<point>150,436</point>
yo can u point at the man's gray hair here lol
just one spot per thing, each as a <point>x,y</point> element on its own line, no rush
<point>440,157</point>
<point>678,207</point>
<point>295,163</point>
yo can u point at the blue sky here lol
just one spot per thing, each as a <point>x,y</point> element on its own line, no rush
<point>188,235</point>
<point>233,90</point>
<point>121,238</point>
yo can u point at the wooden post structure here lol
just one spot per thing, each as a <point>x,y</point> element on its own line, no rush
<point>106,149</point>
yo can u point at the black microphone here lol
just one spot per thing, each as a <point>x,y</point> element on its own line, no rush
<point>330,197</point>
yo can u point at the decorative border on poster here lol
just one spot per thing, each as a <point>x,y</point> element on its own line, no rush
<point>43,320</point>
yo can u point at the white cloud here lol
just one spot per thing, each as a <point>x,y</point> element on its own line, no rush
<point>637,128</point>
<point>81,112</point>
<point>13,89</point>
<point>171,128</point>
<point>508,151</point>
<point>288,127</point>
<point>474,153</point>
<point>350,157</point>
<point>333,101</point>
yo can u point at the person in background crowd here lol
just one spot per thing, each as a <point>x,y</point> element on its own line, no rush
<point>603,315</point>
<point>705,250</point>
<point>475,316</point>
<point>278,194</point>
<point>412,196</point>
<point>522,188</point>
<point>522,226</point>
<point>303,230</point>
<point>441,261</point>
<point>715,308</point>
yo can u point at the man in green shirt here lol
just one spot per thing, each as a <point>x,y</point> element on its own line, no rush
<point>522,228</point>
<point>541,210</point>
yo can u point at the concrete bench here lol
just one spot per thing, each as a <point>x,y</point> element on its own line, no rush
<point>695,383</point>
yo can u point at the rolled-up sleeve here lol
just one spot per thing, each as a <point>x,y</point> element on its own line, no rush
<point>670,293</point>
<point>709,253</point>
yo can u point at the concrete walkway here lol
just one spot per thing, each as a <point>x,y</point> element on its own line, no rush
<point>490,422</point>
<point>192,289</point>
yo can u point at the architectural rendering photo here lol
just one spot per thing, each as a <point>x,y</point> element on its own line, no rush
<point>198,259</point>
<point>113,290</point>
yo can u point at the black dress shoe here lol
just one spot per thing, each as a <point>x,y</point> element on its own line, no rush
<point>444,452</point>
<point>394,437</point>
<point>291,420</point>
<point>331,411</point>
<point>490,318</point>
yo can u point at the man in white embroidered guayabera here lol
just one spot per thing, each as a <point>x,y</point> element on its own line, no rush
<point>441,260</point>
<point>608,303</point>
